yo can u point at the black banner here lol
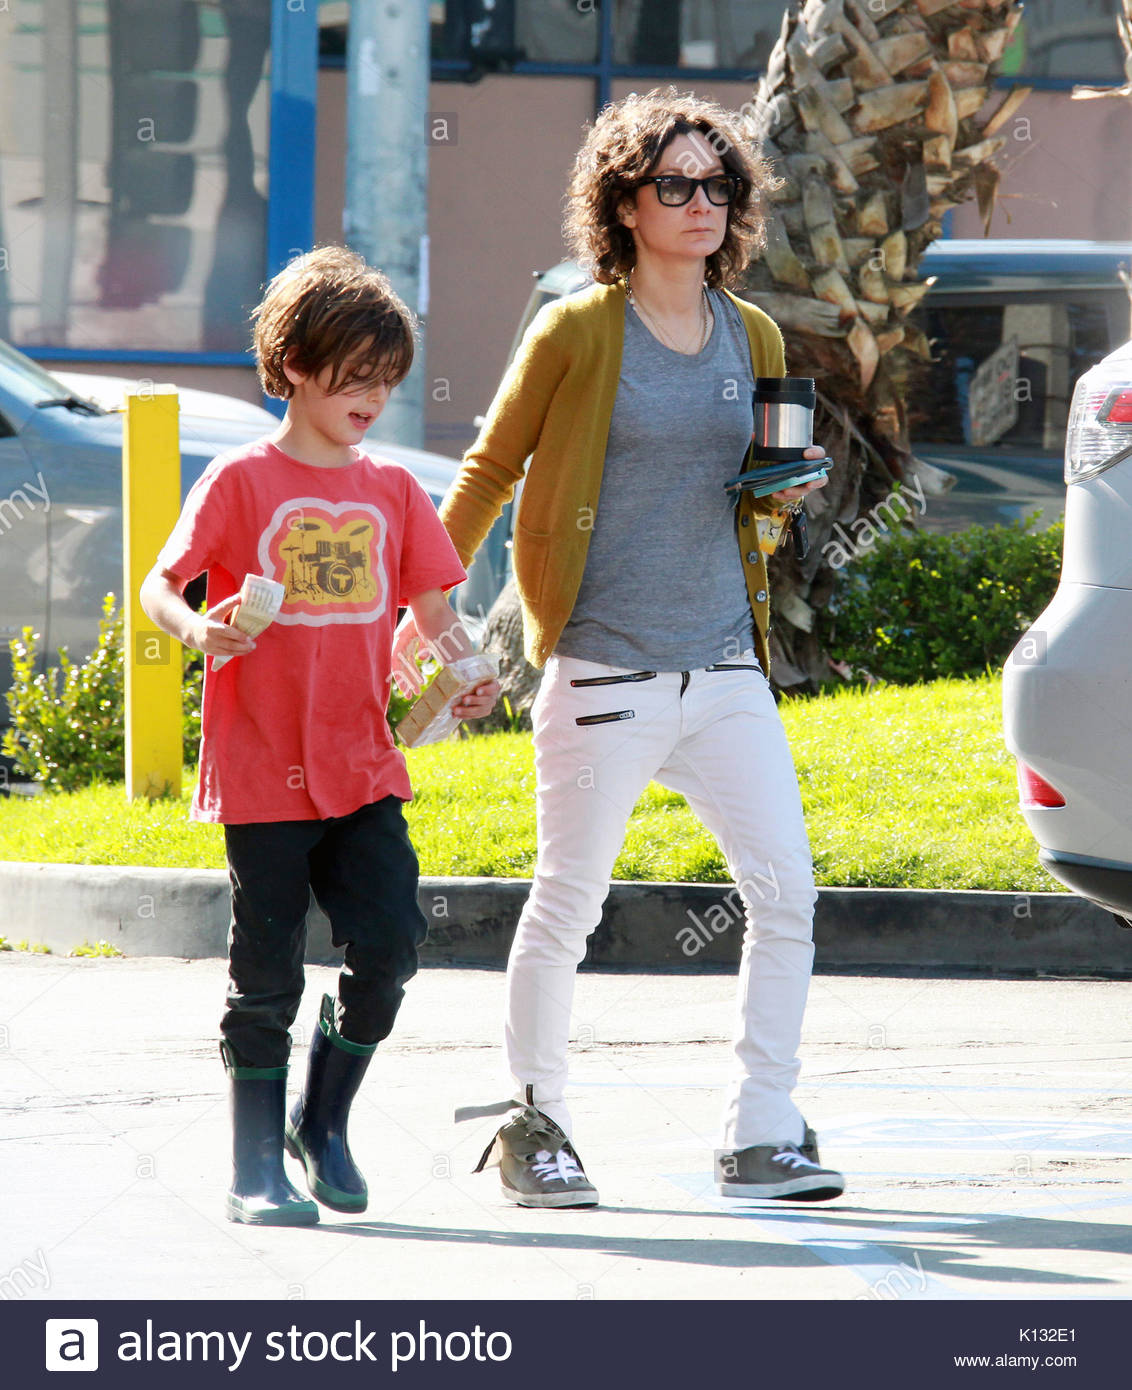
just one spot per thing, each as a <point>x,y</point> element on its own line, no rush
<point>540,1346</point>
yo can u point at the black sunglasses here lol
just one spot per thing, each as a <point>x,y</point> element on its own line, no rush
<point>674,190</point>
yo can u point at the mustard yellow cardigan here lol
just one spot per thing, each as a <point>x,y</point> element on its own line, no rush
<point>554,406</point>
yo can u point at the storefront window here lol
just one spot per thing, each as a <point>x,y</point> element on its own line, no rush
<point>1069,39</point>
<point>1048,344</point>
<point>696,33</point>
<point>133,172</point>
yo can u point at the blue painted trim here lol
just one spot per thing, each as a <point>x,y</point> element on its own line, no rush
<point>291,151</point>
<point>456,67</point>
<point>665,74</point>
<point>187,359</point>
<point>1056,84</point>
<point>459,67</point>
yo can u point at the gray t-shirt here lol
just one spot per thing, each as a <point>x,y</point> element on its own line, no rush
<point>663,587</point>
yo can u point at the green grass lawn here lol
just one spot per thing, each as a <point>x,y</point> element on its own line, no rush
<point>905,786</point>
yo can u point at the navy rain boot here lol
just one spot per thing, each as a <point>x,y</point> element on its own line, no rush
<point>260,1194</point>
<point>316,1129</point>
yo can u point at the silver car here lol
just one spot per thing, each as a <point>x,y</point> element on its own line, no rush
<point>1067,687</point>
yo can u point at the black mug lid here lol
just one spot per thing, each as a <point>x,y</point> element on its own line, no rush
<point>786,390</point>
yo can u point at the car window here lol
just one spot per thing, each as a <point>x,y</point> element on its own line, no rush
<point>1003,373</point>
<point>33,380</point>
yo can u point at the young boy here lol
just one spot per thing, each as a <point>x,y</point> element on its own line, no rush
<point>297,761</point>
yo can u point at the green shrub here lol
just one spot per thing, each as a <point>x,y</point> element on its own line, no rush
<point>68,724</point>
<point>192,689</point>
<point>920,607</point>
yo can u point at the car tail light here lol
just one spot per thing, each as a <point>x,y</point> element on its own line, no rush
<point>1036,791</point>
<point>1100,420</point>
<point>1117,409</point>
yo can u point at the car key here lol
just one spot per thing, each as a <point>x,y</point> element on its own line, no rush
<point>800,533</point>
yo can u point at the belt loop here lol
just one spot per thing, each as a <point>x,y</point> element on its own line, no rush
<point>685,677</point>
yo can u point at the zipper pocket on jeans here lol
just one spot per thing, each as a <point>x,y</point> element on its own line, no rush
<point>607,718</point>
<point>616,680</point>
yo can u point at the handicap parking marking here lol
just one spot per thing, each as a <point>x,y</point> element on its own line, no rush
<point>1093,1138</point>
<point>865,1250</point>
<point>885,1277</point>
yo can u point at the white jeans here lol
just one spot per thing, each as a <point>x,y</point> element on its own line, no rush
<point>714,736</point>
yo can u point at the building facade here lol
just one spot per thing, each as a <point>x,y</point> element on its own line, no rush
<point>159,159</point>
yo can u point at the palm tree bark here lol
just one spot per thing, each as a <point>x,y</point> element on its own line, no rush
<point>871,112</point>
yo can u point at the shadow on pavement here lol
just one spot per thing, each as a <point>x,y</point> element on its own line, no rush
<point>979,1233</point>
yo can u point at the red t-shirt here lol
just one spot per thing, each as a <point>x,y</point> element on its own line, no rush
<point>296,730</point>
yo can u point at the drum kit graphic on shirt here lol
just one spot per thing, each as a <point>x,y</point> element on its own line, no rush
<point>326,566</point>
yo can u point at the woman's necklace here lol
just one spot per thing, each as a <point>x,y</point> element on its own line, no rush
<point>658,331</point>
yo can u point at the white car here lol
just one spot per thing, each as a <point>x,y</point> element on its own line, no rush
<point>1067,687</point>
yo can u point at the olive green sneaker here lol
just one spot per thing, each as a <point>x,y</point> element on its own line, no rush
<point>538,1165</point>
<point>786,1172</point>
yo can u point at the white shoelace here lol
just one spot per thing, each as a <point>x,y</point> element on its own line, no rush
<point>793,1158</point>
<point>560,1165</point>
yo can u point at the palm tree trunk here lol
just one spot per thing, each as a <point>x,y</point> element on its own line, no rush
<point>871,111</point>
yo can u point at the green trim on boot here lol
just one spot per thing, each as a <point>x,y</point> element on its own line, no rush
<point>315,1131</point>
<point>260,1194</point>
<point>326,1023</point>
<point>333,1197</point>
<point>238,1073</point>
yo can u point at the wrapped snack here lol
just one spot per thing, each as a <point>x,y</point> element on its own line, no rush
<point>260,599</point>
<point>430,717</point>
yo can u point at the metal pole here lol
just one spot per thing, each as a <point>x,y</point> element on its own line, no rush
<point>60,167</point>
<point>386,213</point>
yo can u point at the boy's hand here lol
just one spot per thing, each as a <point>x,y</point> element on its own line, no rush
<point>211,635</point>
<point>478,702</point>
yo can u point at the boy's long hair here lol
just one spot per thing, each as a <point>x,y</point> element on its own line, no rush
<point>328,309</point>
<point>625,144</point>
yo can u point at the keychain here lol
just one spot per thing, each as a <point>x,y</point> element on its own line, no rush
<point>800,531</point>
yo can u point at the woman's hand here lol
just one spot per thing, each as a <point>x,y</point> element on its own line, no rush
<point>791,494</point>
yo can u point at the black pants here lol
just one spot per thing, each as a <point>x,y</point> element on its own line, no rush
<point>363,872</point>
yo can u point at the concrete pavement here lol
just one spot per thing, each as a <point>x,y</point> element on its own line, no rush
<point>984,1125</point>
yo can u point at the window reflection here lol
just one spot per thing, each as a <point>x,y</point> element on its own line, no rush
<point>1072,39</point>
<point>133,172</point>
<point>696,33</point>
<point>1075,39</point>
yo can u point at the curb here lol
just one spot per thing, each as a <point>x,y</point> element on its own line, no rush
<point>184,913</point>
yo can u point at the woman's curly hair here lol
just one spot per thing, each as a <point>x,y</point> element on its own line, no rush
<point>625,145</point>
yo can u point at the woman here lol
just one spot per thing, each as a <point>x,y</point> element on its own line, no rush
<point>645,595</point>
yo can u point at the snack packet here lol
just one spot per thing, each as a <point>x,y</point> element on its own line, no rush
<point>430,716</point>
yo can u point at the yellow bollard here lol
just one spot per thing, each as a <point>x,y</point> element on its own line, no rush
<point>151,502</point>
